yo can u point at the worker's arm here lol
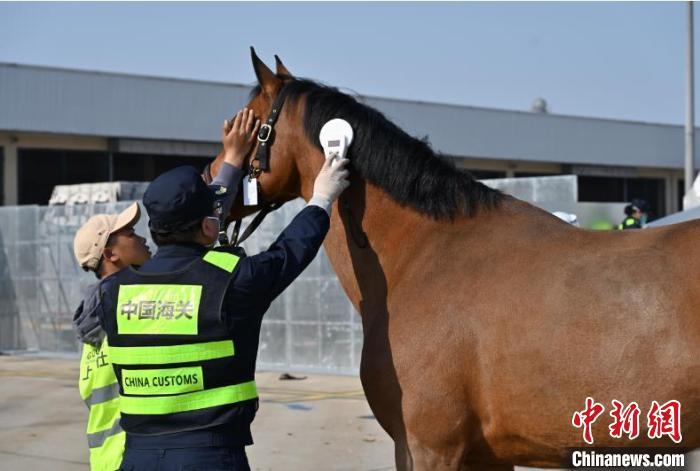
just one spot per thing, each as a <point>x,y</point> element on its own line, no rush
<point>85,319</point>
<point>229,176</point>
<point>267,274</point>
<point>237,138</point>
<point>259,279</point>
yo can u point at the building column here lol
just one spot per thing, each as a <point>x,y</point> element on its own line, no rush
<point>10,174</point>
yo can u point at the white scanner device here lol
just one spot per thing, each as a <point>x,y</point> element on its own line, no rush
<point>336,136</point>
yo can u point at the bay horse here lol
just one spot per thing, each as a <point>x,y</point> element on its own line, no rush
<point>487,322</point>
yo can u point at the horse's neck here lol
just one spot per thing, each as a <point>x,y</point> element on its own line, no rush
<point>372,240</point>
<point>374,243</point>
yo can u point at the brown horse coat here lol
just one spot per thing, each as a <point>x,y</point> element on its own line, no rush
<point>484,333</point>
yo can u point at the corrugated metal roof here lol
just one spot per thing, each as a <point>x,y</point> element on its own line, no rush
<point>53,100</point>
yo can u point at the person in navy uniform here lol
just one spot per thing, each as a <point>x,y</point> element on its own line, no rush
<point>236,293</point>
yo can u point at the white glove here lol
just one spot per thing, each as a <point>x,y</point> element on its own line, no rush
<point>330,183</point>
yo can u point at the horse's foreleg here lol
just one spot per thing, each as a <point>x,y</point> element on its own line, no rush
<point>402,456</point>
<point>418,456</point>
<point>435,436</point>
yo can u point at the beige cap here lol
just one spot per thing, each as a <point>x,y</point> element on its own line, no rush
<point>91,238</point>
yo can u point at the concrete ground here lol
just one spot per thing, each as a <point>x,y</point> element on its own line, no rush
<point>320,423</point>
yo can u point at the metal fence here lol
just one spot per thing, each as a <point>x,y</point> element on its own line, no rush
<point>312,326</point>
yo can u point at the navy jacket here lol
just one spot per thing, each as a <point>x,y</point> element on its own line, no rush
<point>256,281</point>
<point>86,317</point>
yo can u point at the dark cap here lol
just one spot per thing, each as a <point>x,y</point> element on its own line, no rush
<point>179,198</point>
<point>636,204</point>
<point>640,204</point>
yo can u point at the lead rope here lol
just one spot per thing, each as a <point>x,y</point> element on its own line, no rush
<point>254,223</point>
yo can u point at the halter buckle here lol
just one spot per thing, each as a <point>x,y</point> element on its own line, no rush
<point>254,172</point>
<point>264,133</point>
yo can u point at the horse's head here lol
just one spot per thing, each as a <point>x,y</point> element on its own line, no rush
<point>382,154</point>
<point>279,178</point>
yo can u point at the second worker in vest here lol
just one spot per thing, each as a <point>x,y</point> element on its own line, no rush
<point>105,244</point>
<point>636,214</point>
<point>184,329</point>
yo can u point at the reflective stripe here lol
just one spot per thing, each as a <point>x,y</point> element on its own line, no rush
<point>102,415</point>
<point>97,439</point>
<point>108,457</point>
<point>103,394</point>
<point>223,260</point>
<point>191,401</point>
<point>171,354</point>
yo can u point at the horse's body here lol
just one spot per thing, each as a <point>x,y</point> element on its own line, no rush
<point>488,333</point>
<point>483,333</point>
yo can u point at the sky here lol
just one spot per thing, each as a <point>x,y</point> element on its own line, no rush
<point>608,60</point>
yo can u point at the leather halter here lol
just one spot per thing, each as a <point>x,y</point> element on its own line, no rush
<point>266,136</point>
<point>265,140</point>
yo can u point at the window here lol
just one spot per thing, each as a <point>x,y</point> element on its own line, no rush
<point>616,189</point>
<point>534,174</point>
<point>486,174</point>
<point>144,167</point>
<point>40,170</point>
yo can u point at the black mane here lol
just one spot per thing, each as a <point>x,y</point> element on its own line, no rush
<point>405,167</point>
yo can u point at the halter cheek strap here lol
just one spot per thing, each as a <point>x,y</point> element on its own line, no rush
<point>266,136</point>
<point>265,140</point>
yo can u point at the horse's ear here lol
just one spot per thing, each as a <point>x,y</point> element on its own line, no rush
<point>281,69</point>
<point>266,78</point>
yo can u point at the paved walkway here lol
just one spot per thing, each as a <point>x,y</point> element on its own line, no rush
<point>320,423</point>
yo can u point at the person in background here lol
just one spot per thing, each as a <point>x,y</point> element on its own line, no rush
<point>104,245</point>
<point>636,214</point>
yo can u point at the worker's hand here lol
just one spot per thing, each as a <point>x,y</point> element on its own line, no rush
<point>332,179</point>
<point>238,136</point>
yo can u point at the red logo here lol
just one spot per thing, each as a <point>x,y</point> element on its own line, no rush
<point>661,420</point>
<point>586,417</point>
<point>665,420</point>
<point>625,420</point>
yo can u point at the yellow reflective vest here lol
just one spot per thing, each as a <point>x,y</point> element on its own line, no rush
<point>100,391</point>
<point>629,223</point>
<point>172,350</point>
